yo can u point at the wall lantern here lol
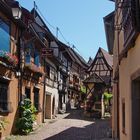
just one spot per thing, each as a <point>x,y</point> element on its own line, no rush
<point>16,10</point>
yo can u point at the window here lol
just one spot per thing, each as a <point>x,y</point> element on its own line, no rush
<point>3,96</point>
<point>48,71</point>
<point>36,59</point>
<point>123,116</point>
<point>36,98</point>
<point>27,93</point>
<point>4,36</point>
<point>28,51</point>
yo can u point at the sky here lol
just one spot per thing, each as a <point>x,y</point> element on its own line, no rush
<point>79,21</point>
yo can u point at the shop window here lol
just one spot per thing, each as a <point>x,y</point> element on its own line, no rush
<point>36,98</point>
<point>3,97</point>
<point>4,36</point>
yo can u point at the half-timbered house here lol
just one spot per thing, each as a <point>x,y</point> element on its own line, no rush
<point>102,65</point>
<point>99,78</point>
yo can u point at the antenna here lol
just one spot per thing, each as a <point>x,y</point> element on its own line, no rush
<point>57,30</point>
<point>35,7</point>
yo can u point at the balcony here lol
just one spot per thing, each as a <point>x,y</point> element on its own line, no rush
<point>33,68</point>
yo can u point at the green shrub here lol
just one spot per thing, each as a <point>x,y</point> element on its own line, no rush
<point>27,117</point>
<point>2,125</point>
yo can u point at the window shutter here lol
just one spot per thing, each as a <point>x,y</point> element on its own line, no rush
<point>136,13</point>
<point>36,59</point>
<point>130,21</point>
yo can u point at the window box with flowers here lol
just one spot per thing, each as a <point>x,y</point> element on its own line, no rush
<point>8,58</point>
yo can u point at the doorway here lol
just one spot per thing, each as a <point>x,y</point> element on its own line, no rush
<point>48,107</point>
<point>53,106</point>
<point>136,109</point>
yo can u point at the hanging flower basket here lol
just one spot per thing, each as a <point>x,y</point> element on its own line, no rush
<point>8,58</point>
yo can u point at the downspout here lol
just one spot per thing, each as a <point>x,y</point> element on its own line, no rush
<point>44,93</point>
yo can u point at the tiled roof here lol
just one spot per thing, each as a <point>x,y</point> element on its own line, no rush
<point>109,30</point>
<point>79,59</point>
<point>108,57</point>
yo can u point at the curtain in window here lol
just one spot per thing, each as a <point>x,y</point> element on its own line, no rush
<point>4,36</point>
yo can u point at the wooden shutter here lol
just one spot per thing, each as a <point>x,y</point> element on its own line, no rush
<point>130,21</point>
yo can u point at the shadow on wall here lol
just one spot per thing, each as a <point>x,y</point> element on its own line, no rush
<point>14,129</point>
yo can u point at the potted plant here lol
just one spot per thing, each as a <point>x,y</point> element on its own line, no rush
<point>25,122</point>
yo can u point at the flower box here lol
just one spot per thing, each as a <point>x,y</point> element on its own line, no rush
<point>8,58</point>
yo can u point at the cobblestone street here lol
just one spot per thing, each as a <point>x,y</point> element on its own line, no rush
<point>70,126</point>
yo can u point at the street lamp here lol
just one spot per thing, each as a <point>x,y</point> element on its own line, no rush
<point>16,13</point>
<point>16,10</point>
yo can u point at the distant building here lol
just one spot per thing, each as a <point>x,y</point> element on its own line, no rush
<point>100,77</point>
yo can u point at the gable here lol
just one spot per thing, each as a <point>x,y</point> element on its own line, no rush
<point>100,65</point>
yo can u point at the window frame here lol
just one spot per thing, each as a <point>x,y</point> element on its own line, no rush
<point>6,101</point>
<point>36,98</point>
<point>123,116</point>
<point>28,53</point>
<point>27,88</point>
<point>9,24</point>
<point>36,58</point>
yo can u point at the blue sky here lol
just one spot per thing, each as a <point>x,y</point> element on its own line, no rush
<point>80,21</point>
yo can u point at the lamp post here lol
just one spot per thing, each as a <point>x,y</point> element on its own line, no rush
<point>16,10</point>
<point>16,13</point>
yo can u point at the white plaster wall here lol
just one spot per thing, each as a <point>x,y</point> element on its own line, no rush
<point>55,95</point>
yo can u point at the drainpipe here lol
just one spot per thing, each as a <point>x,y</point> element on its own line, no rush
<point>44,96</point>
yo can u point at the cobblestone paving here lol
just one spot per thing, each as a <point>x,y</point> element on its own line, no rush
<point>70,126</point>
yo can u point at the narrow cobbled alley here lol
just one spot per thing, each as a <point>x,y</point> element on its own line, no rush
<point>70,126</point>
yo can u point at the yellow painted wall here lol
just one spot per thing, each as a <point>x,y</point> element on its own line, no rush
<point>128,67</point>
